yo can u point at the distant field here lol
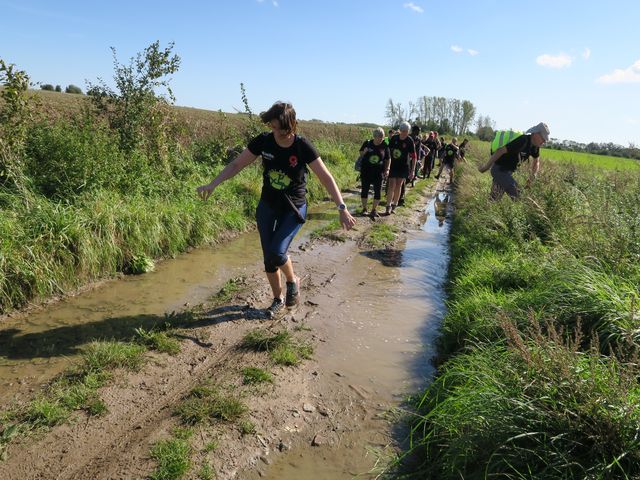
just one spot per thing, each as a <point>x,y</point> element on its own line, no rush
<point>481,150</point>
<point>204,123</point>
<point>589,159</point>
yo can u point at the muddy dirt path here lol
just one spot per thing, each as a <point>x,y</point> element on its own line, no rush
<point>355,301</point>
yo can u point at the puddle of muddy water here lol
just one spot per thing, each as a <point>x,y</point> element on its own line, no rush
<point>380,344</point>
<point>36,346</point>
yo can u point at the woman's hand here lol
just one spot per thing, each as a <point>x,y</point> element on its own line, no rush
<point>346,219</point>
<point>205,191</point>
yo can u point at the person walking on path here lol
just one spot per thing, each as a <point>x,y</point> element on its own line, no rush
<point>463,149</point>
<point>433,145</point>
<point>403,164</point>
<point>373,169</point>
<point>451,154</point>
<point>506,159</point>
<point>286,157</point>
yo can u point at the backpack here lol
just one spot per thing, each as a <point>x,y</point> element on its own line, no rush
<point>502,137</point>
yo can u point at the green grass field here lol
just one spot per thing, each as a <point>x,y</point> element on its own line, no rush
<point>589,159</point>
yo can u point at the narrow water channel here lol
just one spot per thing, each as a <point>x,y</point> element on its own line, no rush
<point>381,344</point>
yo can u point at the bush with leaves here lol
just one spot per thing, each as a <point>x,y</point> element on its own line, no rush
<point>135,110</point>
<point>14,118</point>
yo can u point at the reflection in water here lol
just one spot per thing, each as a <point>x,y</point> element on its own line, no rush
<point>37,345</point>
<point>381,340</point>
<point>440,206</point>
<point>388,257</point>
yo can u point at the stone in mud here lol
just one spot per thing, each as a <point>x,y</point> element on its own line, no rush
<point>318,440</point>
<point>283,446</point>
<point>307,407</point>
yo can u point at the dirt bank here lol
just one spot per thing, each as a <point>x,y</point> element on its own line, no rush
<point>310,403</point>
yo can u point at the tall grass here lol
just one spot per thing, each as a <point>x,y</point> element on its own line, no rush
<point>89,211</point>
<point>539,349</point>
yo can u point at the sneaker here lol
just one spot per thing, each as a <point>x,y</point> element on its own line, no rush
<point>364,212</point>
<point>374,214</point>
<point>276,308</point>
<point>293,293</point>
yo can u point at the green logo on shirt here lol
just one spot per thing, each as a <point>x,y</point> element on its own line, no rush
<point>397,153</point>
<point>374,159</point>
<point>279,180</point>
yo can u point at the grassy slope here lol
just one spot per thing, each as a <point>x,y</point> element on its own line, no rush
<point>543,291</point>
<point>88,211</point>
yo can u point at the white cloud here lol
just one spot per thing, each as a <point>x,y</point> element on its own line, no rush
<point>456,48</point>
<point>561,60</point>
<point>472,52</point>
<point>586,53</point>
<point>414,7</point>
<point>619,75</point>
<point>275,4</point>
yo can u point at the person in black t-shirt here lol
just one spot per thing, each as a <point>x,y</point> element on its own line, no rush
<point>451,154</point>
<point>282,207</point>
<point>463,149</point>
<point>374,168</point>
<point>506,159</point>
<point>433,145</point>
<point>403,164</point>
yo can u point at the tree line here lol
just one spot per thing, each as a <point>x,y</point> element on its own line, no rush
<point>445,115</point>
<point>604,148</point>
<point>69,89</point>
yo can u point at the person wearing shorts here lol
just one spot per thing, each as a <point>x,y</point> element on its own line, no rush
<point>506,159</point>
<point>374,168</point>
<point>403,164</point>
<point>286,160</point>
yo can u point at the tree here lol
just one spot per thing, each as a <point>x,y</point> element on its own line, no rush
<point>47,86</point>
<point>73,89</point>
<point>395,113</point>
<point>468,114</point>
<point>486,128</point>
<point>58,88</point>
<point>135,108</point>
<point>14,117</point>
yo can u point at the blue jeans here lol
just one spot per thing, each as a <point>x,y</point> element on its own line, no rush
<point>277,230</point>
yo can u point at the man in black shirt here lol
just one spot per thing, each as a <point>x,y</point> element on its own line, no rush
<point>506,159</point>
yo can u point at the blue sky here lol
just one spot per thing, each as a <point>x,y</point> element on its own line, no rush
<point>573,64</point>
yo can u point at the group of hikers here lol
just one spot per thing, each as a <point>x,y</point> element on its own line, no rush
<point>405,155</point>
<point>400,159</point>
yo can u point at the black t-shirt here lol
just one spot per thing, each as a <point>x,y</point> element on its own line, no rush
<point>373,157</point>
<point>450,154</point>
<point>285,169</point>
<point>417,142</point>
<point>402,151</point>
<point>432,143</point>
<point>518,150</point>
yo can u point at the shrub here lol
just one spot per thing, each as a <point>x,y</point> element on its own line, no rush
<point>47,86</point>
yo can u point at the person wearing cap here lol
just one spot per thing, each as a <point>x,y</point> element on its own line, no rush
<point>506,159</point>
